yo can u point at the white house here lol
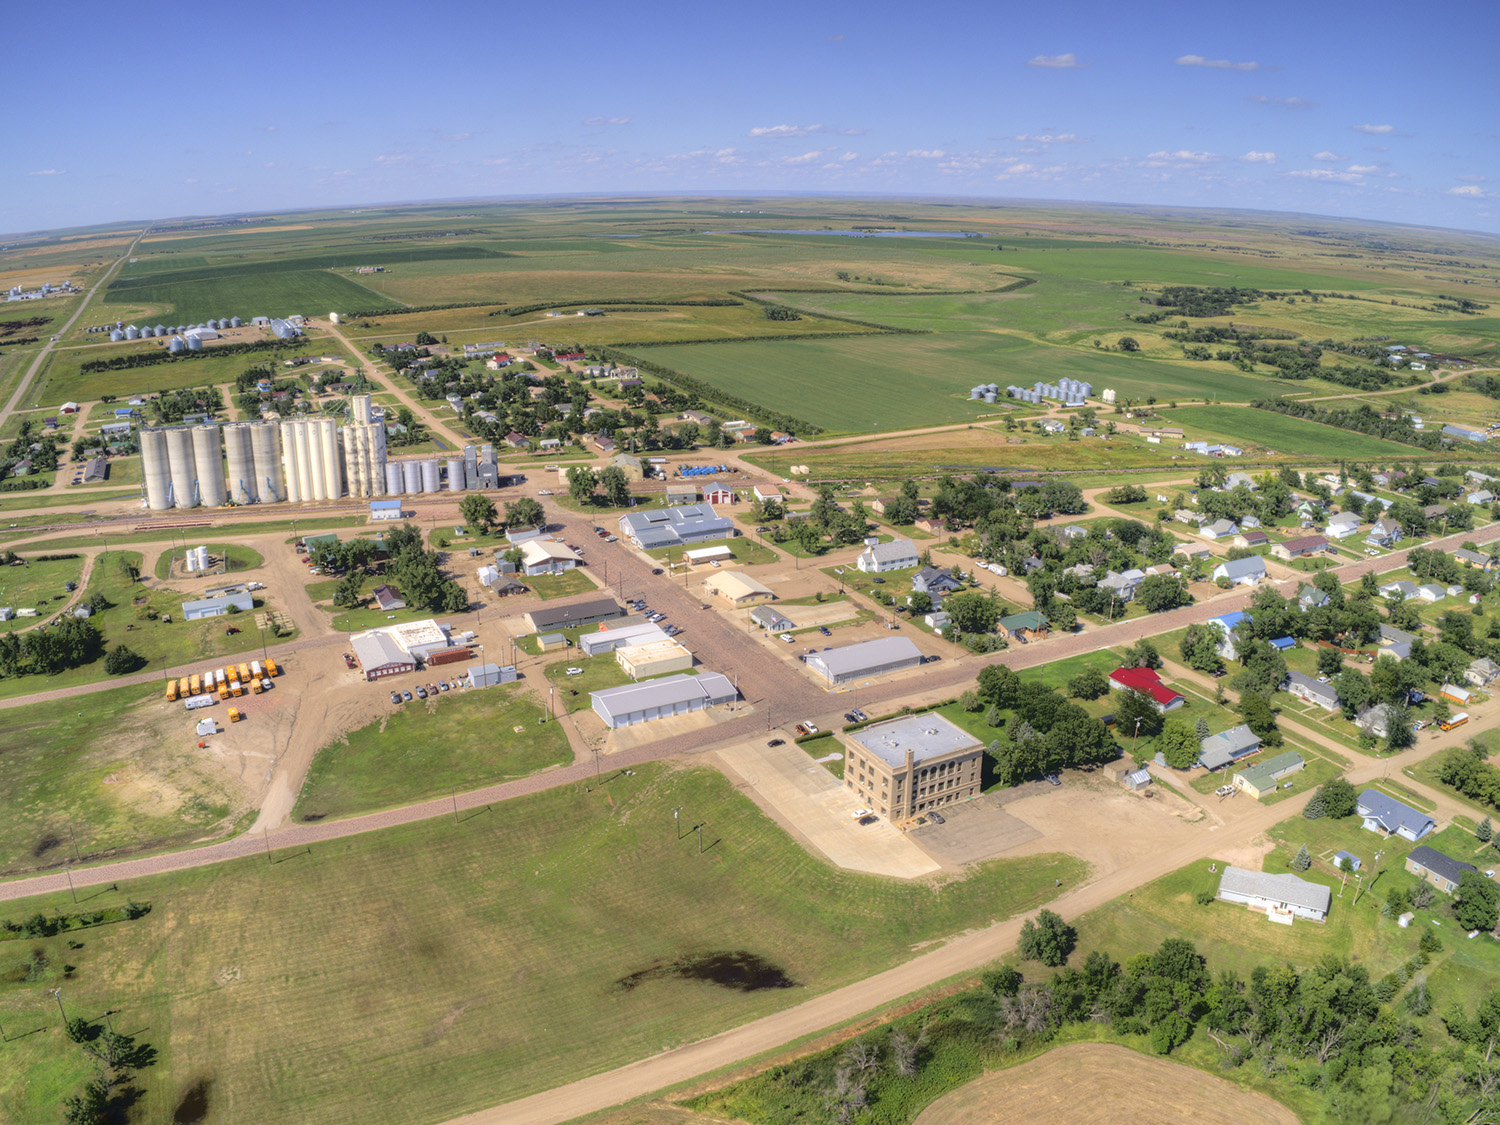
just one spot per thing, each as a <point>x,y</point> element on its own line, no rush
<point>1282,897</point>
<point>1242,572</point>
<point>898,554</point>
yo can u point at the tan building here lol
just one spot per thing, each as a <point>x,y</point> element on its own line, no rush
<point>653,659</point>
<point>906,766</point>
<point>738,589</point>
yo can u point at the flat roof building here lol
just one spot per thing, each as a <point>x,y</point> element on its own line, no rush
<point>653,658</point>
<point>672,527</point>
<point>611,637</point>
<point>573,615</point>
<point>490,675</point>
<point>868,658</point>
<point>659,699</point>
<point>217,607</point>
<point>907,766</point>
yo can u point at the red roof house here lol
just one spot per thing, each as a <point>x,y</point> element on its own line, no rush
<point>1148,683</point>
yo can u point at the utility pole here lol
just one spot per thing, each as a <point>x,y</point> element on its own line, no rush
<point>677,821</point>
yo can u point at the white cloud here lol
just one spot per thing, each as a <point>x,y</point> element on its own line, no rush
<point>927,153</point>
<point>1259,158</point>
<point>393,158</point>
<point>849,156</point>
<point>835,38</point>
<point>48,172</point>
<point>1468,191</point>
<point>854,131</point>
<point>1284,103</point>
<point>1327,175</point>
<point>1050,139</point>
<point>1329,157</point>
<point>596,121</point>
<point>1363,169</point>
<point>1183,156</point>
<point>1216,64</point>
<point>1020,169</point>
<point>785,130</point>
<point>1055,62</point>
<point>805,158</point>
<point>1373,130</point>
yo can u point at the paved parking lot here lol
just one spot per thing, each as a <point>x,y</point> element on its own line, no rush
<point>973,831</point>
<point>814,806</point>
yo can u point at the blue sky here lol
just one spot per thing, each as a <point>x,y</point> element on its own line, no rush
<point>1380,111</point>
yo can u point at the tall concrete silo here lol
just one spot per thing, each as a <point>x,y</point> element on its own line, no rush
<point>294,461</point>
<point>356,463</point>
<point>184,472</point>
<point>394,485</point>
<point>156,468</point>
<point>328,445</point>
<point>209,461</point>
<point>267,449</point>
<point>431,476</point>
<point>455,474</point>
<point>239,451</point>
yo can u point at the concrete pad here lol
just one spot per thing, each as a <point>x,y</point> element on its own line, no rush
<point>641,734</point>
<point>823,613</point>
<point>814,805</point>
<point>973,831</point>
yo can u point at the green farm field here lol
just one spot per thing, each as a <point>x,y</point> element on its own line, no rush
<point>1285,434</point>
<point>427,971</point>
<point>191,300</point>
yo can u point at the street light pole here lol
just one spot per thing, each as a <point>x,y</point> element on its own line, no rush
<point>677,821</point>
<point>57,995</point>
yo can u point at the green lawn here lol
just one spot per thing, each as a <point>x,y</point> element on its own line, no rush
<point>427,747</point>
<point>747,552</point>
<point>38,585</point>
<point>595,674</point>
<point>236,557</point>
<point>564,585</point>
<point>431,970</point>
<point>1285,434</point>
<point>95,771</point>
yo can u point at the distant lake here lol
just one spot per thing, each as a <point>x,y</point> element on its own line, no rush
<point>861,233</point>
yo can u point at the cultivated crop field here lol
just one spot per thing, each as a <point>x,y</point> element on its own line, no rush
<point>191,299</point>
<point>1285,434</point>
<point>423,972</point>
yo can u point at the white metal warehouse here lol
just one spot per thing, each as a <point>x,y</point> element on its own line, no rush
<point>659,699</point>
<point>868,658</point>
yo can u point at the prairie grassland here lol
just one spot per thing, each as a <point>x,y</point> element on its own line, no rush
<point>426,971</point>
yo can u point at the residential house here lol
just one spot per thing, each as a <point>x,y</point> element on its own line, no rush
<point>1473,558</point>
<point>1074,531</point>
<point>1025,627</point>
<point>1432,866</point>
<point>1265,777</point>
<point>1148,683</point>
<point>1251,539</point>
<point>1482,672</point>
<point>603,443</point>
<point>1242,572</point>
<point>388,599</point>
<point>1483,496</point>
<point>935,582</point>
<point>1403,589</point>
<point>878,506</point>
<point>547,556</point>
<point>1431,592</point>
<point>898,554</point>
<point>1226,626</point>
<point>1390,817</point>
<point>1219,529</point>
<point>1282,897</point>
<point>1304,687</point>
<point>1395,643</point>
<point>1300,548</point>
<point>1123,585</point>
<point>1249,521</point>
<point>1227,747</point>
<point>929,525</point>
<point>1239,480</point>
<point>1375,720</point>
<point>1384,533</point>
<point>1183,515</point>
<point>1435,512</point>
<point>1310,597</point>
<point>937,620</point>
<point>1343,525</point>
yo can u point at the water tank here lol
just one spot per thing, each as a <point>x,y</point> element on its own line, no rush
<point>411,473</point>
<point>184,472</point>
<point>234,322</point>
<point>431,474</point>
<point>455,474</point>
<point>156,469</point>
<point>393,484</point>
<point>266,447</point>
<point>201,555</point>
<point>195,343</point>
<point>328,444</point>
<point>176,345</point>
<point>240,453</point>
<point>190,561</point>
<point>209,461</point>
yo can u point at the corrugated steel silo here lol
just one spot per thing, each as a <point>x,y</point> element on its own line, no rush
<point>239,452</point>
<point>267,448</point>
<point>184,472</point>
<point>411,477</point>
<point>176,345</point>
<point>234,322</point>
<point>209,461</point>
<point>214,324</point>
<point>431,476</point>
<point>455,474</point>
<point>156,469</point>
<point>195,343</point>
<point>393,482</point>
<point>132,333</point>
<point>116,336</point>
<point>989,396</point>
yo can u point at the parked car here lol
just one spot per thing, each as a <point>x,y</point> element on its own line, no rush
<point>406,697</point>
<point>777,742</point>
<point>544,492</point>
<point>859,716</point>
<point>421,693</point>
<point>395,697</point>
<point>442,685</point>
<point>656,570</point>
<point>868,819</point>
<point>800,730</point>
<point>936,818</point>
<point>857,813</point>
<point>811,728</point>
<point>1052,779</point>
<point>825,630</point>
<point>879,581</point>
<point>787,637</point>
<point>575,671</point>
<point>849,718</point>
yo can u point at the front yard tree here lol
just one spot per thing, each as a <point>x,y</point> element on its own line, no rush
<point>349,593</point>
<point>1092,684</point>
<point>1477,904</point>
<point>1179,744</point>
<point>1259,717</point>
<point>1137,714</point>
<point>1200,648</point>
<point>1160,592</point>
<point>1338,798</point>
<point>616,486</point>
<point>972,612</point>
<point>581,482</point>
<point>998,685</point>
<point>120,660</point>
<point>478,512</point>
<point>1302,860</point>
<point>1048,939</point>
<point>524,512</point>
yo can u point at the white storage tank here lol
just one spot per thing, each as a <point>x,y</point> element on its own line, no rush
<point>411,473</point>
<point>156,469</point>
<point>455,474</point>
<point>431,475</point>
<point>210,465</point>
<point>184,473</point>
<point>393,482</point>
<point>202,555</point>
<point>190,562</point>
<point>265,443</point>
<point>239,452</point>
